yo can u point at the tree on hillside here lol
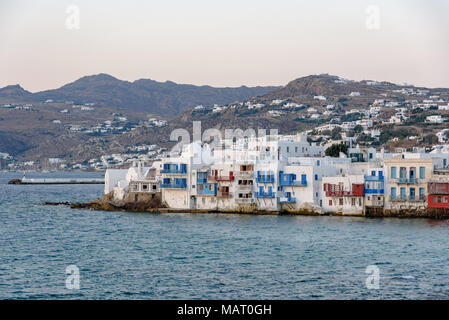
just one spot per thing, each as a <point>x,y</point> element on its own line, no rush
<point>335,149</point>
<point>364,138</point>
<point>358,128</point>
<point>430,139</point>
<point>389,133</point>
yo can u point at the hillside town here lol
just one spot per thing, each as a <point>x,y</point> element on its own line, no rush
<point>142,152</point>
<point>328,109</point>
<point>277,173</point>
<point>379,124</point>
<point>368,118</point>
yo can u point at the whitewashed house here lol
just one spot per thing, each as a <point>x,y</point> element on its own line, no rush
<point>344,194</point>
<point>434,119</point>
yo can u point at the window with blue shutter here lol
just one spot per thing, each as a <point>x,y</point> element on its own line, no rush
<point>421,192</point>
<point>402,193</point>
<point>422,172</point>
<point>393,173</point>
<point>393,192</point>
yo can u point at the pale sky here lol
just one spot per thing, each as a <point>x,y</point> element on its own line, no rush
<point>224,43</point>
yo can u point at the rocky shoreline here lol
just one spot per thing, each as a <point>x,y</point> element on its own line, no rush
<point>156,206</point>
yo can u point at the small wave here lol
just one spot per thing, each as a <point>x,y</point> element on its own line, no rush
<point>406,277</point>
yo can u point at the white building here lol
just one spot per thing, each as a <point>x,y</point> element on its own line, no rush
<point>434,119</point>
<point>344,194</point>
<point>276,173</point>
<point>136,179</point>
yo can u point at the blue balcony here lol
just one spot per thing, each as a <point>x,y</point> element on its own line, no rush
<point>293,183</point>
<point>374,178</point>
<point>421,197</point>
<point>289,180</point>
<point>398,198</point>
<point>174,184</point>
<point>265,177</point>
<point>171,168</point>
<point>270,195</point>
<point>286,200</point>
<point>374,184</point>
<point>407,181</point>
<point>374,191</point>
<point>408,198</point>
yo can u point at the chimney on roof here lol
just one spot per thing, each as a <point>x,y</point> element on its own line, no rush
<point>140,168</point>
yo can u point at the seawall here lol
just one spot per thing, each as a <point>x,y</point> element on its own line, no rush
<point>156,206</point>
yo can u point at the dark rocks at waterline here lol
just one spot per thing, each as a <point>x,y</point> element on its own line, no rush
<point>429,213</point>
<point>147,202</point>
<point>15,181</point>
<point>106,203</point>
<point>61,203</point>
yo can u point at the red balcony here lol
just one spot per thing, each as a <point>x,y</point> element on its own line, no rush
<point>335,190</point>
<point>221,177</point>
<point>438,187</point>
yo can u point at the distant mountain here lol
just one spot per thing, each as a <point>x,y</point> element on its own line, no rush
<point>328,85</point>
<point>15,92</point>
<point>144,95</point>
<point>32,134</point>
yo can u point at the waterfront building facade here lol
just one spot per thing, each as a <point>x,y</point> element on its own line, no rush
<point>407,180</point>
<point>374,189</point>
<point>288,174</point>
<point>344,194</point>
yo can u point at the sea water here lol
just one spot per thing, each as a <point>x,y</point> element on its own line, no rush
<point>123,255</point>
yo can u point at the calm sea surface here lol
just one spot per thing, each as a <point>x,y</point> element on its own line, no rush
<point>215,256</point>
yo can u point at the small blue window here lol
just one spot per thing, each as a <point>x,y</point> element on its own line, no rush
<point>422,172</point>
<point>393,192</point>
<point>393,173</point>
<point>402,193</point>
<point>303,178</point>
<point>316,177</point>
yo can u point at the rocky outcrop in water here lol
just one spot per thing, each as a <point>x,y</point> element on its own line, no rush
<point>106,203</point>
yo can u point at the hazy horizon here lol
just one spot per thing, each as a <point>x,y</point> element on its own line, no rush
<point>205,84</point>
<point>255,43</point>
